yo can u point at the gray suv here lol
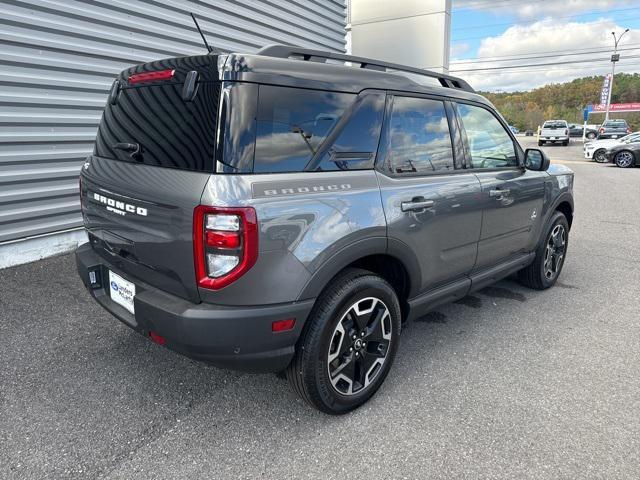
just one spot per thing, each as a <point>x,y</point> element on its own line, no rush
<point>291,210</point>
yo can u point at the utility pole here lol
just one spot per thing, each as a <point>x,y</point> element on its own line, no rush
<point>614,58</point>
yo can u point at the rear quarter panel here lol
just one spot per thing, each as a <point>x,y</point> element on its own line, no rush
<point>304,220</point>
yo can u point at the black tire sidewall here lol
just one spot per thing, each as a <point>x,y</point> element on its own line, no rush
<point>361,287</point>
<point>599,160</point>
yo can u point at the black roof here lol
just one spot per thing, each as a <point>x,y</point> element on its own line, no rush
<point>298,67</point>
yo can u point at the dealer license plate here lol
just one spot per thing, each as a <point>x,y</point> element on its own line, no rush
<point>122,291</point>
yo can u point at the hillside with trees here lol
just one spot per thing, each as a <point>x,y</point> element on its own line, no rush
<point>566,101</point>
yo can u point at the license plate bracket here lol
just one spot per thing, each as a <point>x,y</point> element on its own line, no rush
<point>122,291</point>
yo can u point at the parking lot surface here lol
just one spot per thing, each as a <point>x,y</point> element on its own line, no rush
<point>506,383</point>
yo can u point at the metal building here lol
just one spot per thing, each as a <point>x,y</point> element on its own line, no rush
<point>58,59</point>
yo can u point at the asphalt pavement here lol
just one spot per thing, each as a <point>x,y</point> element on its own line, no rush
<point>506,383</point>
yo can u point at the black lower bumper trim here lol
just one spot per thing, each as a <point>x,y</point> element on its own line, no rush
<point>234,337</point>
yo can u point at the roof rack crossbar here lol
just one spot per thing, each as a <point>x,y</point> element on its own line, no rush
<point>308,54</point>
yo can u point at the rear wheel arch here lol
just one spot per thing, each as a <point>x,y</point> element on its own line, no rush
<point>400,270</point>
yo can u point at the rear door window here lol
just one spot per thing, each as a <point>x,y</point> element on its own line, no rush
<point>418,137</point>
<point>171,133</point>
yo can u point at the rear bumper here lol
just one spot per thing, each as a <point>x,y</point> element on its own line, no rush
<point>238,338</point>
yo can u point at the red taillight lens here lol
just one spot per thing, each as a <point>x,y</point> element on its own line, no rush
<point>601,130</point>
<point>222,239</point>
<point>156,76</point>
<point>225,244</point>
<point>628,130</point>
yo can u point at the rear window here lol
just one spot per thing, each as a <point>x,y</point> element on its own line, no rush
<point>554,125</point>
<point>171,133</point>
<point>615,123</point>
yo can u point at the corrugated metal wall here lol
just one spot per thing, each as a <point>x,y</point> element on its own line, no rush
<point>59,57</point>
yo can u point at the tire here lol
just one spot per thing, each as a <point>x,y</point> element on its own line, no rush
<point>536,275</point>
<point>591,135</point>
<point>565,143</point>
<point>540,143</point>
<point>599,157</point>
<point>624,159</point>
<point>322,349</point>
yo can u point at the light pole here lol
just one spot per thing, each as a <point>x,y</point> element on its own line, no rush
<point>614,58</point>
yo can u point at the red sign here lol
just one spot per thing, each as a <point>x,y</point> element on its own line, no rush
<point>617,107</point>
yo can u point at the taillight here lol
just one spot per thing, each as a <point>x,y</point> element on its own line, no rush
<point>225,244</point>
<point>566,132</point>
<point>628,130</point>
<point>156,76</point>
<point>601,130</point>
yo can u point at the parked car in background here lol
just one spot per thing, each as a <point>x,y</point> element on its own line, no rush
<point>624,155</point>
<point>554,131</point>
<point>576,130</point>
<point>597,148</point>
<point>614,129</point>
<point>528,133</point>
<point>514,129</point>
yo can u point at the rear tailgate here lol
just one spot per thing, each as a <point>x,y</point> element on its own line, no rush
<point>154,154</point>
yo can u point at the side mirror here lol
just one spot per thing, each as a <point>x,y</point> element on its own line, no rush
<point>536,160</point>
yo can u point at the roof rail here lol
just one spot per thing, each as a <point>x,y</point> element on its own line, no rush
<point>307,54</point>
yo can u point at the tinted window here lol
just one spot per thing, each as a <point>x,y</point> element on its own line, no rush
<point>292,125</point>
<point>355,146</point>
<point>170,132</point>
<point>490,145</point>
<point>418,137</point>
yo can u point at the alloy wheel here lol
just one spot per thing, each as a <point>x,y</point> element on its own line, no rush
<point>624,159</point>
<point>359,346</point>
<point>599,156</point>
<point>554,254</point>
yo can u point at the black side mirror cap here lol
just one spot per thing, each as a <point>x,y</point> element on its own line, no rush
<point>536,160</point>
<point>190,88</point>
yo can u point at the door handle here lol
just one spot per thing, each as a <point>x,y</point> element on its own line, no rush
<point>416,204</point>
<point>499,192</point>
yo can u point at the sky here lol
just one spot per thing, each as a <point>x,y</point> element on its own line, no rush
<point>492,37</point>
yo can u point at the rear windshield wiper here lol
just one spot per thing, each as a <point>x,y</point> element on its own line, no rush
<point>134,149</point>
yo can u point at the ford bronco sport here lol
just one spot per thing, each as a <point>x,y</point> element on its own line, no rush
<point>290,210</point>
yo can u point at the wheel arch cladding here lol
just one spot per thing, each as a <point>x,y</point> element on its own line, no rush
<point>371,255</point>
<point>567,210</point>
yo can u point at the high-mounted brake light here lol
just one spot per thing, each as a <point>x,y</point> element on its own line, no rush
<point>156,76</point>
<point>225,244</point>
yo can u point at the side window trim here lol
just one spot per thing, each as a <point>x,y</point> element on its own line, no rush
<point>383,144</point>
<point>516,146</point>
<point>459,150</point>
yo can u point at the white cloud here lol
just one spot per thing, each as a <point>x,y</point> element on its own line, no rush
<point>548,8</point>
<point>459,48</point>
<point>547,36</point>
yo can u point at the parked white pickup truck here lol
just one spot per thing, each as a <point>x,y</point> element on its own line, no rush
<point>554,131</point>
